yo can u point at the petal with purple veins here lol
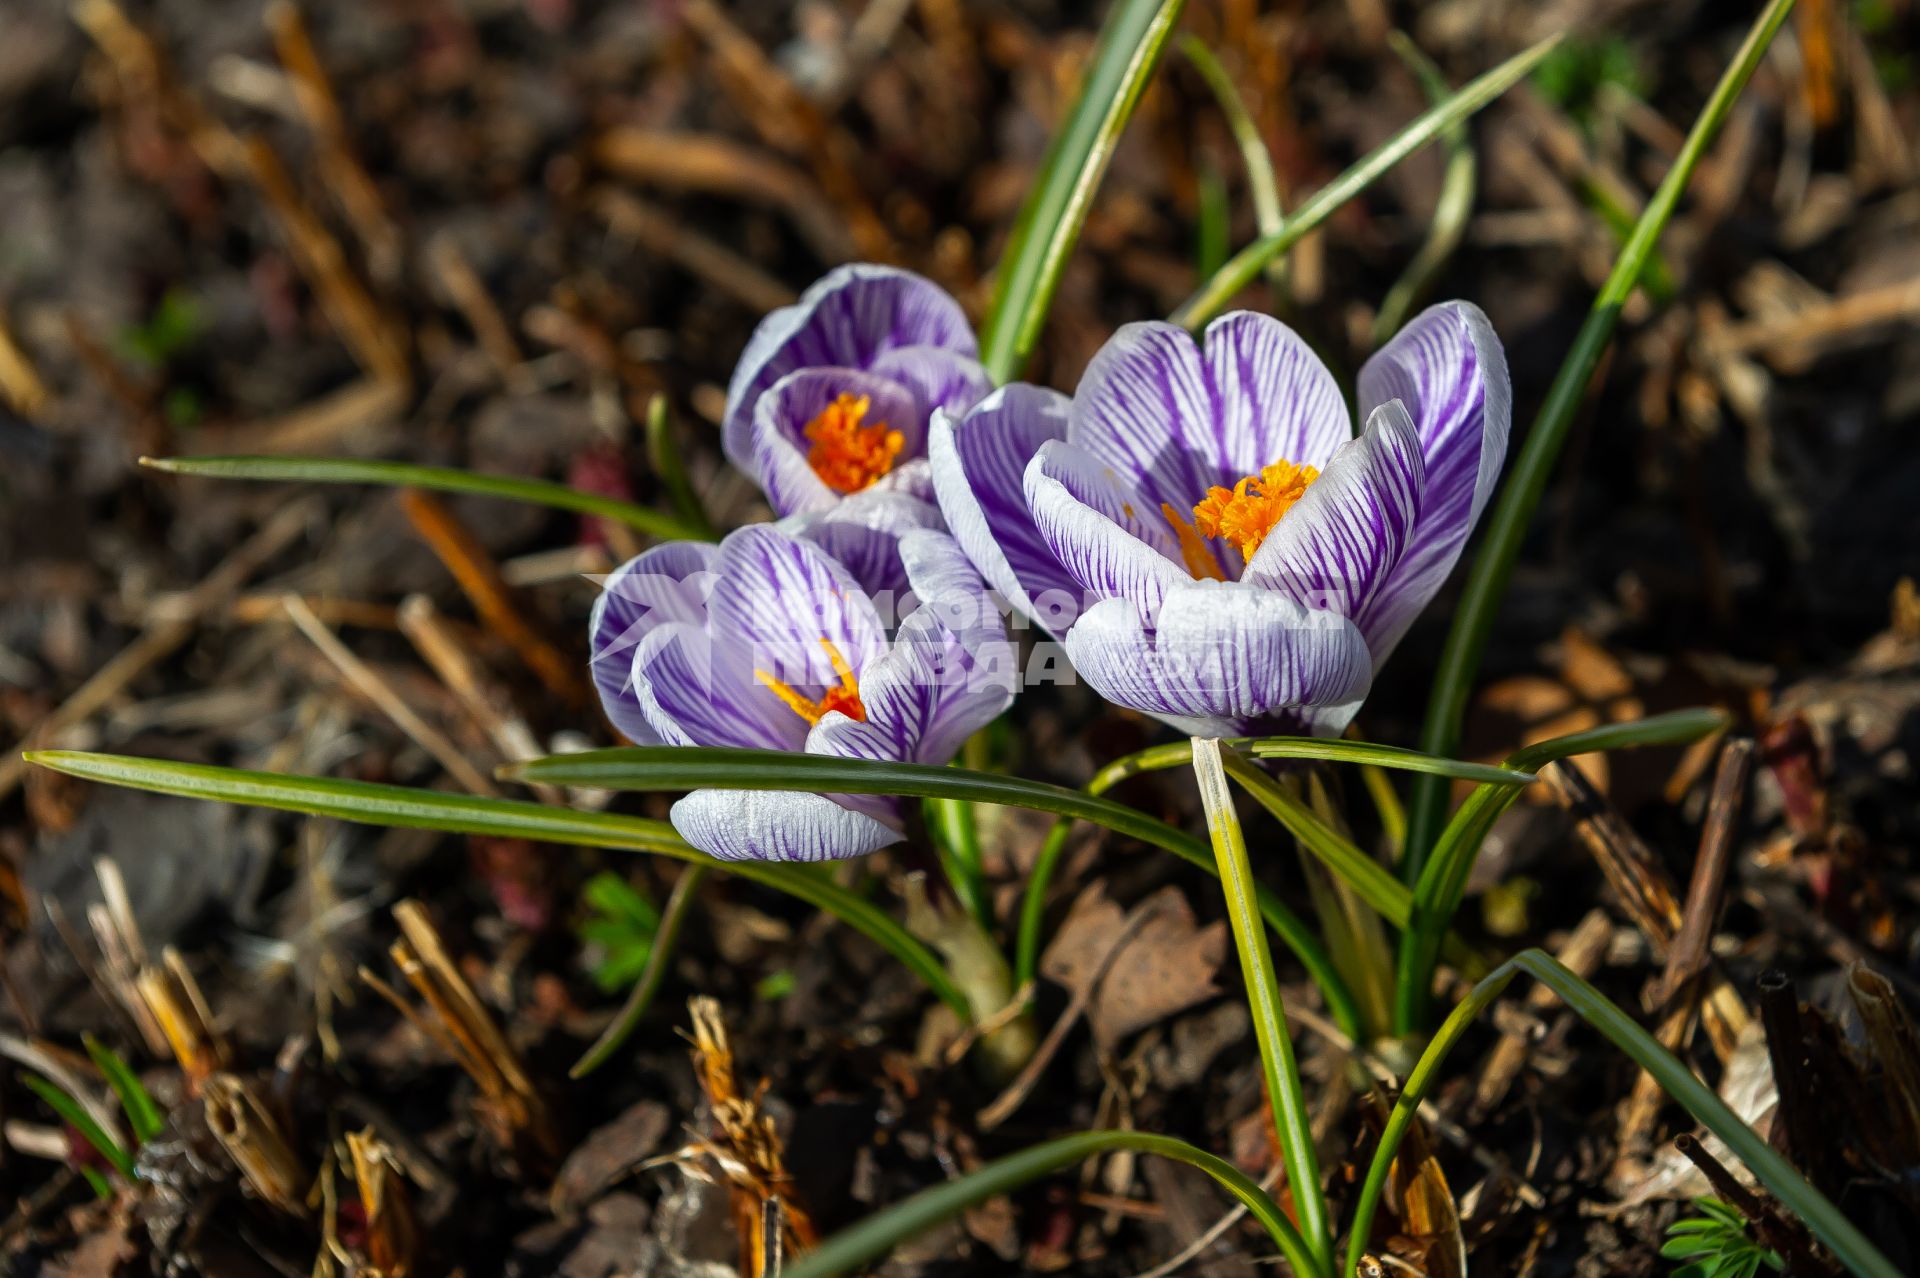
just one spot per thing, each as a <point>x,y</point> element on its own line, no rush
<point>694,688</point>
<point>1275,398</point>
<point>1337,547</point>
<point>780,449</point>
<point>979,476</point>
<point>1224,657</point>
<point>778,825</point>
<point>1447,366</point>
<point>863,533</point>
<point>1107,539</point>
<point>848,319</point>
<point>1172,422</point>
<point>937,377</point>
<point>780,600</point>
<point>662,586</point>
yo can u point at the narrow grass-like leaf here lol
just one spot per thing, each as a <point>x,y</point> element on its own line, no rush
<point>1527,477</point>
<point>1450,211</point>
<point>1436,896</point>
<point>1846,1242</point>
<point>956,840</point>
<point>1178,754</point>
<point>1217,293</point>
<point>1033,903</point>
<point>446,479</point>
<point>394,805</point>
<point>1261,182</point>
<point>1375,884</point>
<point>858,1246</point>
<point>1293,1127</point>
<point>695,768</point>
<point>1130,45</point>
<point>143,1115</point>
<point>75,1115</point>
<point>659,958</point>
<point>1212,220</point>
<point>663,454</point>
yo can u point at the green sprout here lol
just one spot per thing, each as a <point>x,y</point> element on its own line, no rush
<point>1715,1244</point>
<point>175,325</point>
<point>1575,72</point>
<point>621,925</point>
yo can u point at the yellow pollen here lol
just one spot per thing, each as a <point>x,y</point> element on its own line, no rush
<point>846,454</point>
<point>1243,515</point>
<point>843,696</point>
<point>1201,561</point>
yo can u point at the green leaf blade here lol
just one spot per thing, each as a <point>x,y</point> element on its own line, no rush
<point>446,479</point>
<point>859,1245</point>
<point>1130,46</point>
<point>74,1115</point>
<point>143,1114</point>
<point>390,805</point>
<point>1217,293</point>
<point>1529,474</point>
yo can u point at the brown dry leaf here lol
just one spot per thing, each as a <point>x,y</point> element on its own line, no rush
<point>1593,687</point>
<point>1427,1208</point>
<point>613,1150</point>
<point>1167,966</point>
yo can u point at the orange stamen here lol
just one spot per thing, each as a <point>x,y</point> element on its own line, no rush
<point>1244,515</point>
<point>843,696</point>
<point>1201,561</point>
<point>846,454</point>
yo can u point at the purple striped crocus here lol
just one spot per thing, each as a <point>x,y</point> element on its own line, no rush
<point>780,638</point>
<point>833,393</point>
<point>1202,529</point>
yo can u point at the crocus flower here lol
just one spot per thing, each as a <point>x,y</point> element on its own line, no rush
<point>1243,561</point>
<point>772,640</point>
<point>833,393</point>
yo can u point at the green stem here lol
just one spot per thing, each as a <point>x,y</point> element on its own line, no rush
<point>1443,881</point>
<point>1450,211</point>
<point>1289,1101</point>
<point>1527,479</point>
<point>956,841</point>
<point>1262,184</point>
<point>663,454</point>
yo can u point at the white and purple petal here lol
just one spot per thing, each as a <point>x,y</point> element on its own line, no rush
<point>863,533</point>
<point>780,447</point>
<point>665,585</point>
<point>778,825</point>
<point>979,475</point>
<point>1447,366</point>
<point>695,688</point>
<point>848,319</point>
<point>779,599</point>
<point>1172,421</point>
<point>937,377</point>
<point>1337,547</point>
<point>1109,541</point>
<point>1222,658</point>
